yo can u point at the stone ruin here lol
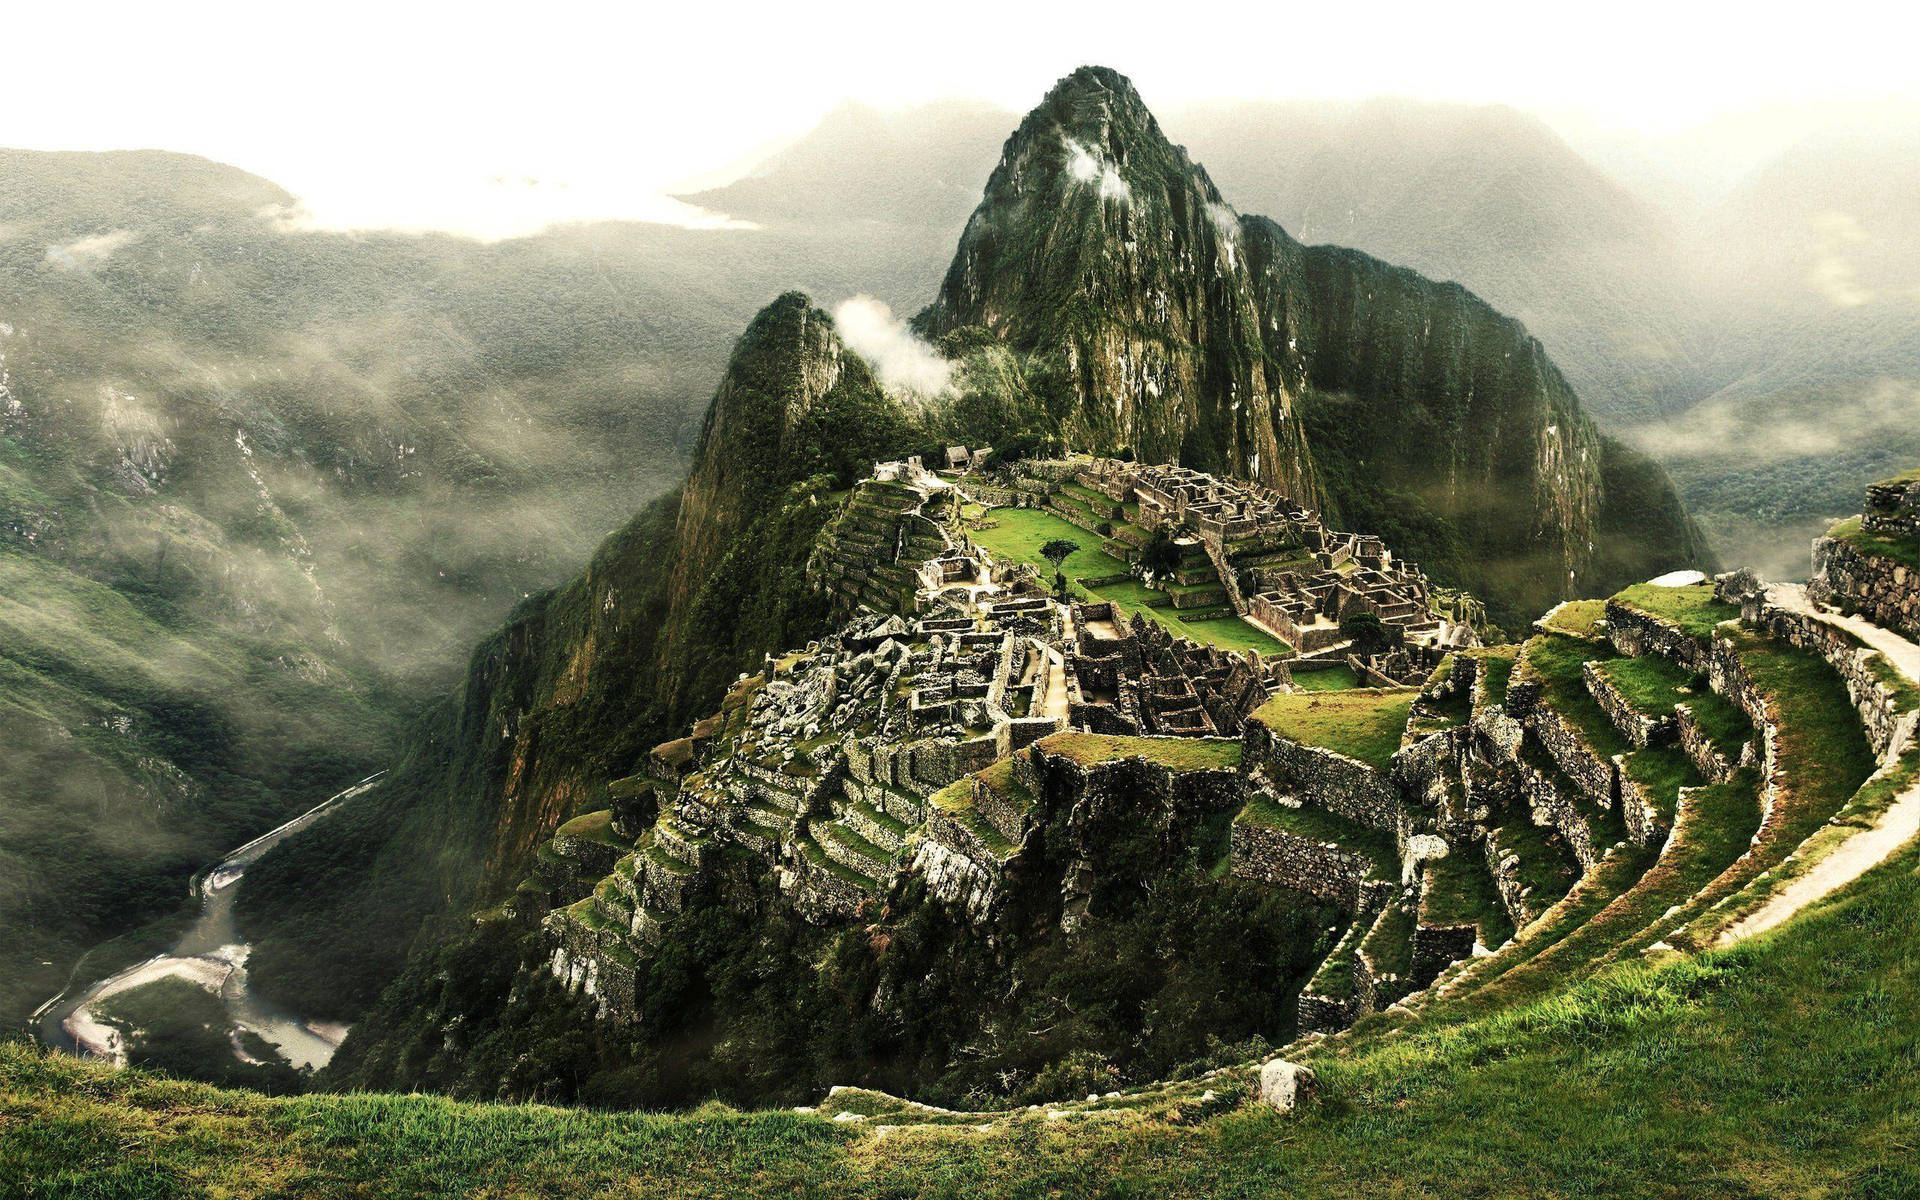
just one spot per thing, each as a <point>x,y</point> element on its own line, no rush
<point>1281,569</point>
<point>924,735</point>
<point>1876,571</point>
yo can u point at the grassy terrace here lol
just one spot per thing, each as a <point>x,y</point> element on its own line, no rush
<point>1333,679</point>
<point>1691,608</point>
<point>1899,549</point>
<point>1000,779</point>
<point>1696,1077</point>
<point>1724,725</point>
<point>1822,754</point>
<point>1604,825</point>
<point>956,801</point>
<point>1389,944</point>
<point>1181,754</point>
<point>1618,872</point>
<point>1319,825</point>
<point>1459,891</point>
<point>1021,532</point>
<point>1364,724</point>
<point>592,827</point>
<point>1556,660</point>
<point>1577,618</point>
<point>1498,665</point>
<point>1650,683</point>
<point>818,856</point>
<point>1718,825</point>
<point>1662,771</point>
<point>1546,869</point>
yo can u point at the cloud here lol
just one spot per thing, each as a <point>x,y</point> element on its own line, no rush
<point>903,362</point>
<point>1087,167</point>
<point>78,255</point>
<point>1832,273</point>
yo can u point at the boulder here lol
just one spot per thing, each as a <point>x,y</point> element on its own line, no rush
<point>1285,1085</point>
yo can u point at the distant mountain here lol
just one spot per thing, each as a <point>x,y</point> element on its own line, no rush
<point>1792,291</point>
<point>1482,195</point>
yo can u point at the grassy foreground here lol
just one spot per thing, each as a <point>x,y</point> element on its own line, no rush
<point>1785,1067</point>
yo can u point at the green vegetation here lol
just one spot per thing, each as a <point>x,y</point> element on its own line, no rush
<point>1691,608</point>
<point>1662,771</point>
<point>1821,752</point>
<point>1496,666</point>
<point>956,800</point>
<point>1181,754</point>
<point>1319,825</point>
<point>1459,891</point>
<point>1333,679</point>
<point>1577,618</point>
<point>1556,661</point>
<point>1651,683</point>
<point>1021,534</point>
<point>1364,724</point>
<point>1726,728</point>
<point>1674,1074</point>
<point>1902,550</point>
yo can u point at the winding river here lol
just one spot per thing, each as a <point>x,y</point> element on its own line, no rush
<point>211,955</point>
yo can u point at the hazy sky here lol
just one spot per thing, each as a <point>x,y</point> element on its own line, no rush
<point>495,118</point>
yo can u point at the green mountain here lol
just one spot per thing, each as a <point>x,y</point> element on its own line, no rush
<point>1157,321</point>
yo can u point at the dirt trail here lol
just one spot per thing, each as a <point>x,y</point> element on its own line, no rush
<point>1870,847</point>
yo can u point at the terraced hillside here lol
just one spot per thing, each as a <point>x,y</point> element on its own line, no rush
<point>1678,832</point>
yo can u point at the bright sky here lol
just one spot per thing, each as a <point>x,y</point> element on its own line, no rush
<point>493,119</point>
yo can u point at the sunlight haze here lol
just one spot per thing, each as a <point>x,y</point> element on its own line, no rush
<point>495,120</point>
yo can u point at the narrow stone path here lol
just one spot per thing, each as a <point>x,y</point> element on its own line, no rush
<point>1897,826</point>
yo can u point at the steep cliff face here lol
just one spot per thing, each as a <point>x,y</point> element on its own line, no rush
<point>1424,406</point>
<point>1153,317</point>
<point>1100,246</point>
<point>787,372</point>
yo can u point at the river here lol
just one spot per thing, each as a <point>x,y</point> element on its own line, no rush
<point>211,955</point>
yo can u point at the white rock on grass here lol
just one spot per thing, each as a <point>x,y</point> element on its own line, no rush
<point>1285,1085</point>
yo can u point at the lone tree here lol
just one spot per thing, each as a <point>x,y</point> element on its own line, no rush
<point>1057,552</point>
<point>1365,631</point>
<point>1161,554</point>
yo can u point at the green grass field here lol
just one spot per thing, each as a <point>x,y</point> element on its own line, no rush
<point>1334,679</point>
<point>1022,531</point>
<point>1364,723</point>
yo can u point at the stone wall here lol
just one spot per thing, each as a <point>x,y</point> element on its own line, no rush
<point>595,961</point>
<point>1640,728</point>
<point>1574,755</point>
<point>1879,589</point>
<point>1852,660</point>
<point>1634,633</point>
<point>1550,806</point>
<point>1893,508</point>
<point>1343,786</point>
<point>1712,765</point>
<point>1324,869</point>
